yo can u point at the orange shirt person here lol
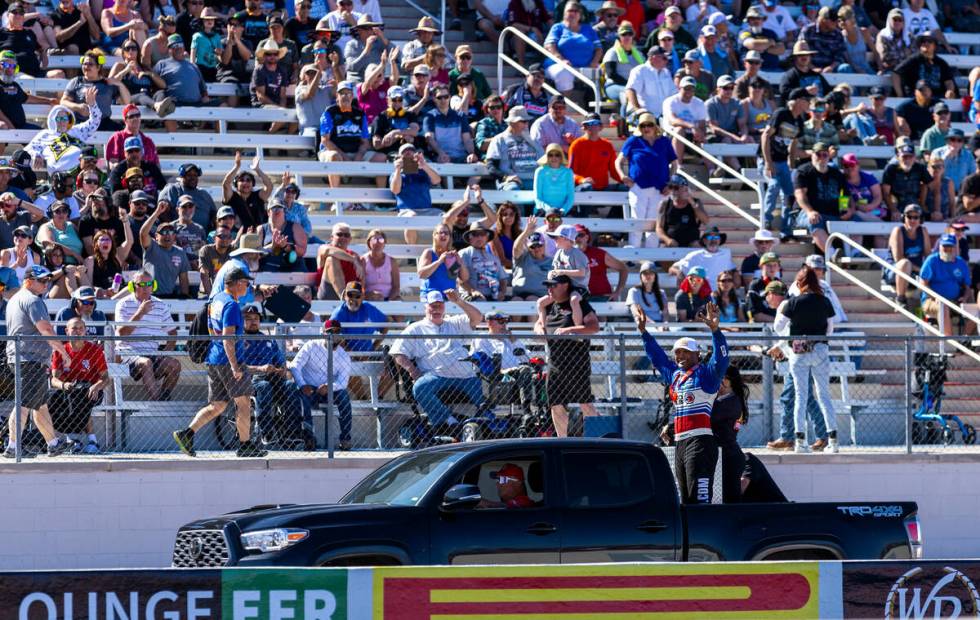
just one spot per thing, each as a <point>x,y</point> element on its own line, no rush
<point>591,158</point>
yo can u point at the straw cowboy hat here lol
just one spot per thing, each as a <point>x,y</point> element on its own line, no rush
<point>610,5</point>
<point>364,21</point>
<point>270,47</point>
<point>426,24</point>
<point>802,48</point>
<point>552,148</point>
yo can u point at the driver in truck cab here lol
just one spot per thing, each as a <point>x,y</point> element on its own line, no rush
<point>510,489</point>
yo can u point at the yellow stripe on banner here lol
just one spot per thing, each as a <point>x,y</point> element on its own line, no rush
<point>530,595</point>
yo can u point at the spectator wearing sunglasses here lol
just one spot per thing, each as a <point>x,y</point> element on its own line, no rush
<point>214,255</point>
<point>61,232</point>
<point>186,184</point>
<point>82,306</point>
<point>13,97</point>
<point>115,147</point>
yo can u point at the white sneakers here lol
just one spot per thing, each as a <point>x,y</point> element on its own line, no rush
<point>800,446</point>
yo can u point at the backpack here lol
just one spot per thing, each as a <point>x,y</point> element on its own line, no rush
<point>197,348</point>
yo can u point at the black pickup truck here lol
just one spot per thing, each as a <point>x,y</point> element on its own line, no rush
<point>587,501</point>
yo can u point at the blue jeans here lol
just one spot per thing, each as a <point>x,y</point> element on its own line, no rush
<point>341,402</point>
<point>427,390</point>
<point>806,366</point>
<point>615,92</point>
<point>863,124</point>
<point>787,399</point>
<point>275,393</point>
<point>782,182</point>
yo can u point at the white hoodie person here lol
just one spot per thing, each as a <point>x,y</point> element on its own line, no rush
<point>61,144</point>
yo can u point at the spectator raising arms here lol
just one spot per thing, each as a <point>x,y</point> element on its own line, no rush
<point>248,204</point>
<point>531,264</point>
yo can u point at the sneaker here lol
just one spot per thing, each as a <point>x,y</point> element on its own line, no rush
<point>834,445</point>
<point>780,444</point>
<point>165,107</point>
<point>92,448</point>
<point>63,445</point>
<point>10,453</point>
<point>800,447</point>
<point>249,449</point>
<point>185,441</point>
<point>818,446</point>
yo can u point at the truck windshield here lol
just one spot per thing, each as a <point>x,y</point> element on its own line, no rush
<point>404,481</point>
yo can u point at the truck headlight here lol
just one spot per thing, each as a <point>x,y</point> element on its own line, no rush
<point>273,540</point>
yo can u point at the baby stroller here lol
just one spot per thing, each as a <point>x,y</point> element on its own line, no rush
<point>929,424</point>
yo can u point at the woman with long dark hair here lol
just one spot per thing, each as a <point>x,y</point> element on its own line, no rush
<point>728,414</point>
<point>726,298</point>
<point>809,314</point>
<point>647,296</point>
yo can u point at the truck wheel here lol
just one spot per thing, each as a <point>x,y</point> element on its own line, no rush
<point>470,432</point>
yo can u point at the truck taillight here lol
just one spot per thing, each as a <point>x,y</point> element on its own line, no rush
<point>913,529</point>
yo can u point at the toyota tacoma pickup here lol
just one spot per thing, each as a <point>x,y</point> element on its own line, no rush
<point>598,500</point>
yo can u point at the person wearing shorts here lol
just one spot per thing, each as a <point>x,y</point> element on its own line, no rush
<point>228,380</point>
<point>147,320</point>
<point>27,315</point>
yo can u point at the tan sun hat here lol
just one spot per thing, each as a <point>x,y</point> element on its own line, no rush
<point>270,47</point>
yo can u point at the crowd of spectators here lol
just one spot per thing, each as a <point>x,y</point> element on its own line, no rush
<point>100,214</point>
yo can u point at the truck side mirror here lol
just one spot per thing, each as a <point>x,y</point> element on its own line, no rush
<point>461,497</point>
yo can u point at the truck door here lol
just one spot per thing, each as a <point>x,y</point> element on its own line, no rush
<point>523,530</point>
<point>611,512</point>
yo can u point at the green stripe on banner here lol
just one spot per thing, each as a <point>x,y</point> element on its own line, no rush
<point>278,594</point>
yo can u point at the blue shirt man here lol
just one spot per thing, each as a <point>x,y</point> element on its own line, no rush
<point>224,312</point>
<point>82,305</point>
<point>945,272</point>
<point>356,310</point>
<point>447,130</point>
<point>412,190</point>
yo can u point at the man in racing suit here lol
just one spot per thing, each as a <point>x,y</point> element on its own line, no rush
<point>693,387</point>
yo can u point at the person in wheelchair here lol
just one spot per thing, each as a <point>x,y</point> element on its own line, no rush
<point>506,359</point>
<point>76,388</point>
<point>278,409</point>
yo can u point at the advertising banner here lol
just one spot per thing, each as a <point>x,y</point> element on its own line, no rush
<point>911,590</point>
<point>101,594</point>
<point>770,590</point>
<point>309,593</point>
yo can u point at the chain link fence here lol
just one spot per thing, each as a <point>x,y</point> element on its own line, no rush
<point>309,392</point>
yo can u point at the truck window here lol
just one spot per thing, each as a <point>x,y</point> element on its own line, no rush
<point>594,479</point>
<point>508,484</point>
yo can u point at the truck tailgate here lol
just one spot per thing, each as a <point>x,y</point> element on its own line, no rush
<point>832,530</point>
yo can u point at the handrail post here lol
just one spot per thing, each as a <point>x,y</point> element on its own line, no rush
<point>908,394</point>
<point>442,23</point>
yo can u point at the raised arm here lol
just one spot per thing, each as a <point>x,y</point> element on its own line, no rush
<point>226,184</point>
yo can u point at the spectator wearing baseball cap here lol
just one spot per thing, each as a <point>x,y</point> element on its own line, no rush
<point>529,94</point>
<point>681,215</point>
<point>574,41</point>
<point>693,67</point>
<point>914,116</point>
<point>651,83</point>
<point>394,126</point>
<point>82,306</point>
<point>713,58</point>
<point>114,147</point>
<point>905,182</point>
<point>151,178</point>
<point>531,264</point>
<point>313,92</point>
<point>712,257</point>
<point>186,184</point>
<point>935,136</point>
<point>512,155</point>
<point>674,23</point>
<point>958,159</point>
<point>925,66</point>
<point>724,111</point>
<point>685,113</point>
<point>600,263</point>
<point>592,158</point>
<point>569,261</point>
<point>618,61</point>
<point>411,181</point>
<point>644,164</point>
<point>354,310</point>
<point>785,126</point>
<point>948,274</point>
<point>826,41</point>
<point>433,361</point>
<point>864,188</point>
<point>555,127</point>
<point>169,261</point>
<point>821,193</point>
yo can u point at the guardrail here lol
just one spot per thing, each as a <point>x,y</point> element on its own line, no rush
<point>503,57</point>
<point>914,282</point>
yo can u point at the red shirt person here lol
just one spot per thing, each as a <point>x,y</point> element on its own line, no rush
<point>79,386</point>
<point>114,148</point>
<point>510,489</point>
<point>600,262</point>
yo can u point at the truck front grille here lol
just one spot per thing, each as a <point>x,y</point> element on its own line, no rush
<point>200,549</point>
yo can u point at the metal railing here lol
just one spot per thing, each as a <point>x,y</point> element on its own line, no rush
<point>503,57</point>
<point>693,180</point>
<point>379,408</point>
<point>914,282</point>
<point>716,161</point>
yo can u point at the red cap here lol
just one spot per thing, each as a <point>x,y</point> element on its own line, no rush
<point>510,470</point>
<point>959,225</point>
<point>581,228</point>
<point>849,160</point>
<point>331,325</point>
<point>129,107</point>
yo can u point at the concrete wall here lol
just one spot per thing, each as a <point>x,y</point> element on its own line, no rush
<point>108,514</point>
